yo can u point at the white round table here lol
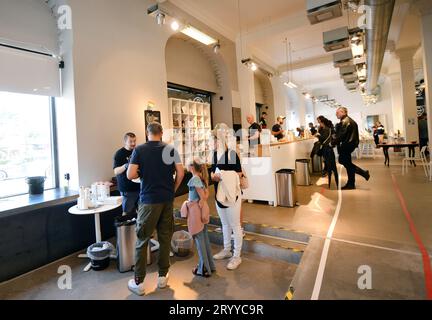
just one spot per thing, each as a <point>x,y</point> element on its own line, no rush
<point>96,212</point>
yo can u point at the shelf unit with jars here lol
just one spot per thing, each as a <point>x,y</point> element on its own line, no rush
<point>191,122</point>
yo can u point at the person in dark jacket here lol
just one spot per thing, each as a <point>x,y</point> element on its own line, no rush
<point>346,138</point>
<point>325,132</point>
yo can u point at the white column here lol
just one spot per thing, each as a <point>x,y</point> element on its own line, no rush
<point>397,104</point>
<point>280,99</point>
<point>424,8</point>
<point>246,83</point>
<point>408,93</point>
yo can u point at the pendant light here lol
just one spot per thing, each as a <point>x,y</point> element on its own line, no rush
<point>289,83</point>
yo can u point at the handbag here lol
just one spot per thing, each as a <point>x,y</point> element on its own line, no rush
<point>320,151</point>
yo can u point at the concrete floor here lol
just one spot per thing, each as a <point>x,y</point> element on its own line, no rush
<point>371,230</point>
<point>272,284</point>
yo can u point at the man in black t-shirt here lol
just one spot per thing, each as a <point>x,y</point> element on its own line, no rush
<point>254,132</point>
<point>263,120</point>
<point>312,129</point>
<point>277,130</point>
<point>128,189</point>
<point>155,164</point>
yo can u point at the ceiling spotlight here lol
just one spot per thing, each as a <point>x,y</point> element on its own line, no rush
<point>307,95</point>
<point>216,48</point>
<point>250,64</point>
<point>160,18</point>
<point>175,25</point>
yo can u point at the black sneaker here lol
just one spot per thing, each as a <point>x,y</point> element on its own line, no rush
<point>348,187</point>
<point>367,175</point>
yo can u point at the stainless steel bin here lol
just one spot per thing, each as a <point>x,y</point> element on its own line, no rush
<point>302,172</point>
<point>286,188</point>
<point>317,164</point>
<point>126,240</point>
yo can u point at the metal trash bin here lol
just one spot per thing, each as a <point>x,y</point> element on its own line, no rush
<point>286,188</point>
<point>302,172</point>
<point>317,164</point>
<point>126,240</point>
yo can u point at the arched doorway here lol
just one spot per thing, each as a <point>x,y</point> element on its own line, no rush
<point>195,66</point>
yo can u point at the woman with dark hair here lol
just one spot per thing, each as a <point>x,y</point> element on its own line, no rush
<point>324,135</point>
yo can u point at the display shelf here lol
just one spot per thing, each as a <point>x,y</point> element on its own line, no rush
<point>191,121</point>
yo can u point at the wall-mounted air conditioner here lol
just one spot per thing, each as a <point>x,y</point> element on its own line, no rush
<point>323,10</point>
<point>343,59</point>
<point>336,39</point>
<point>347,71</point>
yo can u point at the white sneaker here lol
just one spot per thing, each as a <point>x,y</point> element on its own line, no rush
<point>234,263</point>
<point>224,254</point>
<point>134,288</point>
<point>218,230</point>
<point>163,281</point>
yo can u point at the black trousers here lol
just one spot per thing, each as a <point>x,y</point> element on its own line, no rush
<point>330,164</point>
<point>345,159</point>
<point>376,139</point>
<point>424,142</point>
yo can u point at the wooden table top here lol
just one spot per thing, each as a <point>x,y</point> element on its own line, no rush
<point>398,145</point>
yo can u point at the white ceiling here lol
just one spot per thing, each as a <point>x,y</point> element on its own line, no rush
<point>265,25</point>
<point>223,15</point>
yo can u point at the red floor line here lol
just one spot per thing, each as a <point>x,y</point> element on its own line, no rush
<point>425,256</point>
<point>322,190</point>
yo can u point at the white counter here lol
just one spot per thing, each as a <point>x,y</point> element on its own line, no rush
<point>261,170</point>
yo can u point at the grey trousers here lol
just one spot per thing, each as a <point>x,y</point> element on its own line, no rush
<point>153,217</point>
<point>202,243</point>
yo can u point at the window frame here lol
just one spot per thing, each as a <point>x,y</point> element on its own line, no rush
<point>54,149</point>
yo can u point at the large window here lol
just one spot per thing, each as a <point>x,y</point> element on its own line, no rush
<point>26,142</point>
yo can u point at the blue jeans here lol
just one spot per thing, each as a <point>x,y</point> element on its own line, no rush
<point>130,201</point>
<point>202,244</point>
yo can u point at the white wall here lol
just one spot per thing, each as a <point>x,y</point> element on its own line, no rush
<point>188,66</point>
<point>194,65</point>
<point>280,98</point>
<point>354,103</point>
<point>264,95</point>
<point>259,92</point>
<point>65,111</point>
<point>119,65</point>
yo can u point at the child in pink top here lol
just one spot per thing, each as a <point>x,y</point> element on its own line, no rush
<point>197,212</point>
